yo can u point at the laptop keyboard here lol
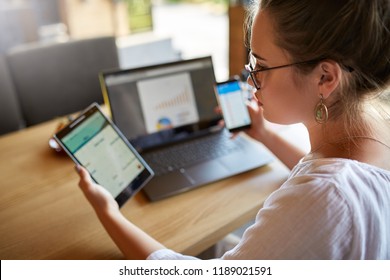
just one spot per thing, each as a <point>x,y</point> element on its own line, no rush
<point>188,153</point>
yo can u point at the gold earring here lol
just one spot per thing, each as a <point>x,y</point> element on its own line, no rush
<point>321,111</point>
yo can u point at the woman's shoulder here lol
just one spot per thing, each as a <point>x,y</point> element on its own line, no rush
<point>338,171</point>
<point>335,180</point>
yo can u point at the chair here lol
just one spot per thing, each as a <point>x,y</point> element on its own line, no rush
<point>10,114</point>
<point>60,78</point>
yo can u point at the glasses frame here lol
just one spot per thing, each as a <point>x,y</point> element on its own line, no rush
<point>252,72</point>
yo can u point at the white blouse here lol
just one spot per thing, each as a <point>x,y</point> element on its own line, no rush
<point>327,209</point>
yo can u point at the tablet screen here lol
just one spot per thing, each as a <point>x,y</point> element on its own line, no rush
<point>93,141</point>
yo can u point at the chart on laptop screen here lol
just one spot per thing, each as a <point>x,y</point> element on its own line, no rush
<point>167,102</point>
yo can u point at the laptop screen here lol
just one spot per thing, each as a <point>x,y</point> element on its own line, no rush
<point>160,104</point>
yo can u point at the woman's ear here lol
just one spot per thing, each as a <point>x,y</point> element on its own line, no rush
<point>329,77</point>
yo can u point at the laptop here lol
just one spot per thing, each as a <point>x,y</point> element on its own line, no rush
<point>167,112</point>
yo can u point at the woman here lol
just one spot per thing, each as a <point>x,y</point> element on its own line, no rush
<point>325,64</point>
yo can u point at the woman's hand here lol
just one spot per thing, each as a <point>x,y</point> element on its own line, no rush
<point>98,197</point>
<point>258,129</point>
<point>131,240</point>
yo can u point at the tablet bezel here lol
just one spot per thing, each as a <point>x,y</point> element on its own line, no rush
<point>137,183</point>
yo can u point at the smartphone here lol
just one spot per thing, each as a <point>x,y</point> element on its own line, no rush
<point>232,100</point>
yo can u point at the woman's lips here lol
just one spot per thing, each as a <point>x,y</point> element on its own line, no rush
<point>257,99</point>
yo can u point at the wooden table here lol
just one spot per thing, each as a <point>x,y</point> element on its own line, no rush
<point>44,215</point>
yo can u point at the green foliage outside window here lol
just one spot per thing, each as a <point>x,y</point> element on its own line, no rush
<point>140,15</point>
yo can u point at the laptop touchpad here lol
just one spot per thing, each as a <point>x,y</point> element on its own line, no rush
<point>207,171</point>
<point>167,185</point>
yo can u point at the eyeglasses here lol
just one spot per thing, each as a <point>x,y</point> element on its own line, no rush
<point>254,74</point>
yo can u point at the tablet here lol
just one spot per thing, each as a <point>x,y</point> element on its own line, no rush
<point>94,142</point>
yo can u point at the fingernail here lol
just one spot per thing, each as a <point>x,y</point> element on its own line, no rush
<point>77,167</point>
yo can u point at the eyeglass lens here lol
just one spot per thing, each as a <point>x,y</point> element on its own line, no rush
<point>252,61</point>
<point>252,65</point>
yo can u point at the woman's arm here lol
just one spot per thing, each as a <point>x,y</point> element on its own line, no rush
<point>280,147</point>
<point>131,240</point>
<point>284,150</point>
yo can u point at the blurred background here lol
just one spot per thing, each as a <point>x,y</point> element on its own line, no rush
<point>51,51</point>
<point>183,28</point>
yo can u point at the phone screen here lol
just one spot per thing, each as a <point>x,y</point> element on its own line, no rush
<point>232,102</point>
